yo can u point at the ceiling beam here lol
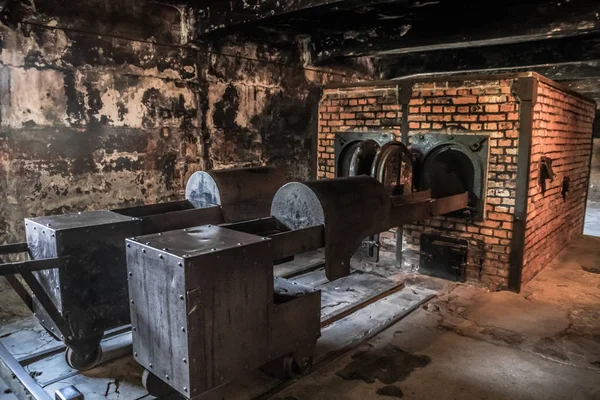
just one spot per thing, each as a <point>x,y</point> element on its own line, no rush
<point>218,15</point>
<point>564,58</point>
<point>452,25</point>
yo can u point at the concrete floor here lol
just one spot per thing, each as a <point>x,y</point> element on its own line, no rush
<point>472,344</point>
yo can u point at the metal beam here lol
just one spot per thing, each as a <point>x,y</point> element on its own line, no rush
<point>219,15</point>
<point>565,58</point>
<point>448,25</point>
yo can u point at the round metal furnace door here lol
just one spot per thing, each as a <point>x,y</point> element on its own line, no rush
<point>356,158</point>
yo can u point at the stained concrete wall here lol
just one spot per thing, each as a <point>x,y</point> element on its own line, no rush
<point>107,103</point>
<point>264,111</point>
<point>94,114</point>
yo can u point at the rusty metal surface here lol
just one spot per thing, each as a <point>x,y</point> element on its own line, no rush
<point>243,194</point>
<point>349,208</point>
<point>449,204</point>
<point>153,209</point>
<point>393,167</point>
<point>181,219</point>
<point>288,244</point>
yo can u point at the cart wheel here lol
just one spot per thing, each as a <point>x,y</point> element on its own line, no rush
<point>288,367</point>
<point>79,364</point>
<point>154,385</point>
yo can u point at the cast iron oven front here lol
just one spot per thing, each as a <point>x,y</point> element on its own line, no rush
<point>453,164</point>
<point>443,257</point>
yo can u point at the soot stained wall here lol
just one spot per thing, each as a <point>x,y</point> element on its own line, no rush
<point>93,114</point>
<point>264,111</point>
<point>107,103</point>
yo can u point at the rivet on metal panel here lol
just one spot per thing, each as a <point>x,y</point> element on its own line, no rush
<point>184,361</point>
<point>151,365</point>
<point>180,264</point>
<point>132,302</point>
<point>160,256</point>
<point>47,224</point>
<point>181,297</point>
<point>186,255</point>
<point>131,274</point>
<point>160,234</point>
<point>182,329</point>
<point>185,389</point>
<point>213,249</point>
<point>53,235</point>
<point>134,329</point>
<point>147,243</point>
<point>135,355</point>
<point>43,321</point>
<point>167,377</point>
<point>133,238</point>
<point>209,226</point>
<point>264,238</point>
<point>143,250</point>
<point>43,232</point>
<point>239,244</point>
<point>165,249</point>
<point>128,245</point>
<point>35,228</point>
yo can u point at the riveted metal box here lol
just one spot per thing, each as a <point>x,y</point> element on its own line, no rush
<point>201,301</point>
<point>91,293</point>
<point>206,308</point>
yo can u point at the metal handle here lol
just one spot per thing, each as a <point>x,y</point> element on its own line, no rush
<point>14,248</point>
<point>33,265</point>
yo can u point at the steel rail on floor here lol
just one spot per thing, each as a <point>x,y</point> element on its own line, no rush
<point>22,375</point>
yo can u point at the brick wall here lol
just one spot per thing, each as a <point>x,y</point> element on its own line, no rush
<point>481,107</point>
<point>562,131</point>
<point>355,109</point>
<point>465,106</point>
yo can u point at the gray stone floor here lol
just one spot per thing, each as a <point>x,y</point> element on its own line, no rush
<point>472,344</point>
<point>592,219</point>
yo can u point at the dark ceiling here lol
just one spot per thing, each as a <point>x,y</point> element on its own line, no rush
<point>558,38</point>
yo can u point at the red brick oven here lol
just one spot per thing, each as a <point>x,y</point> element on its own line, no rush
<point>519,143</point>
